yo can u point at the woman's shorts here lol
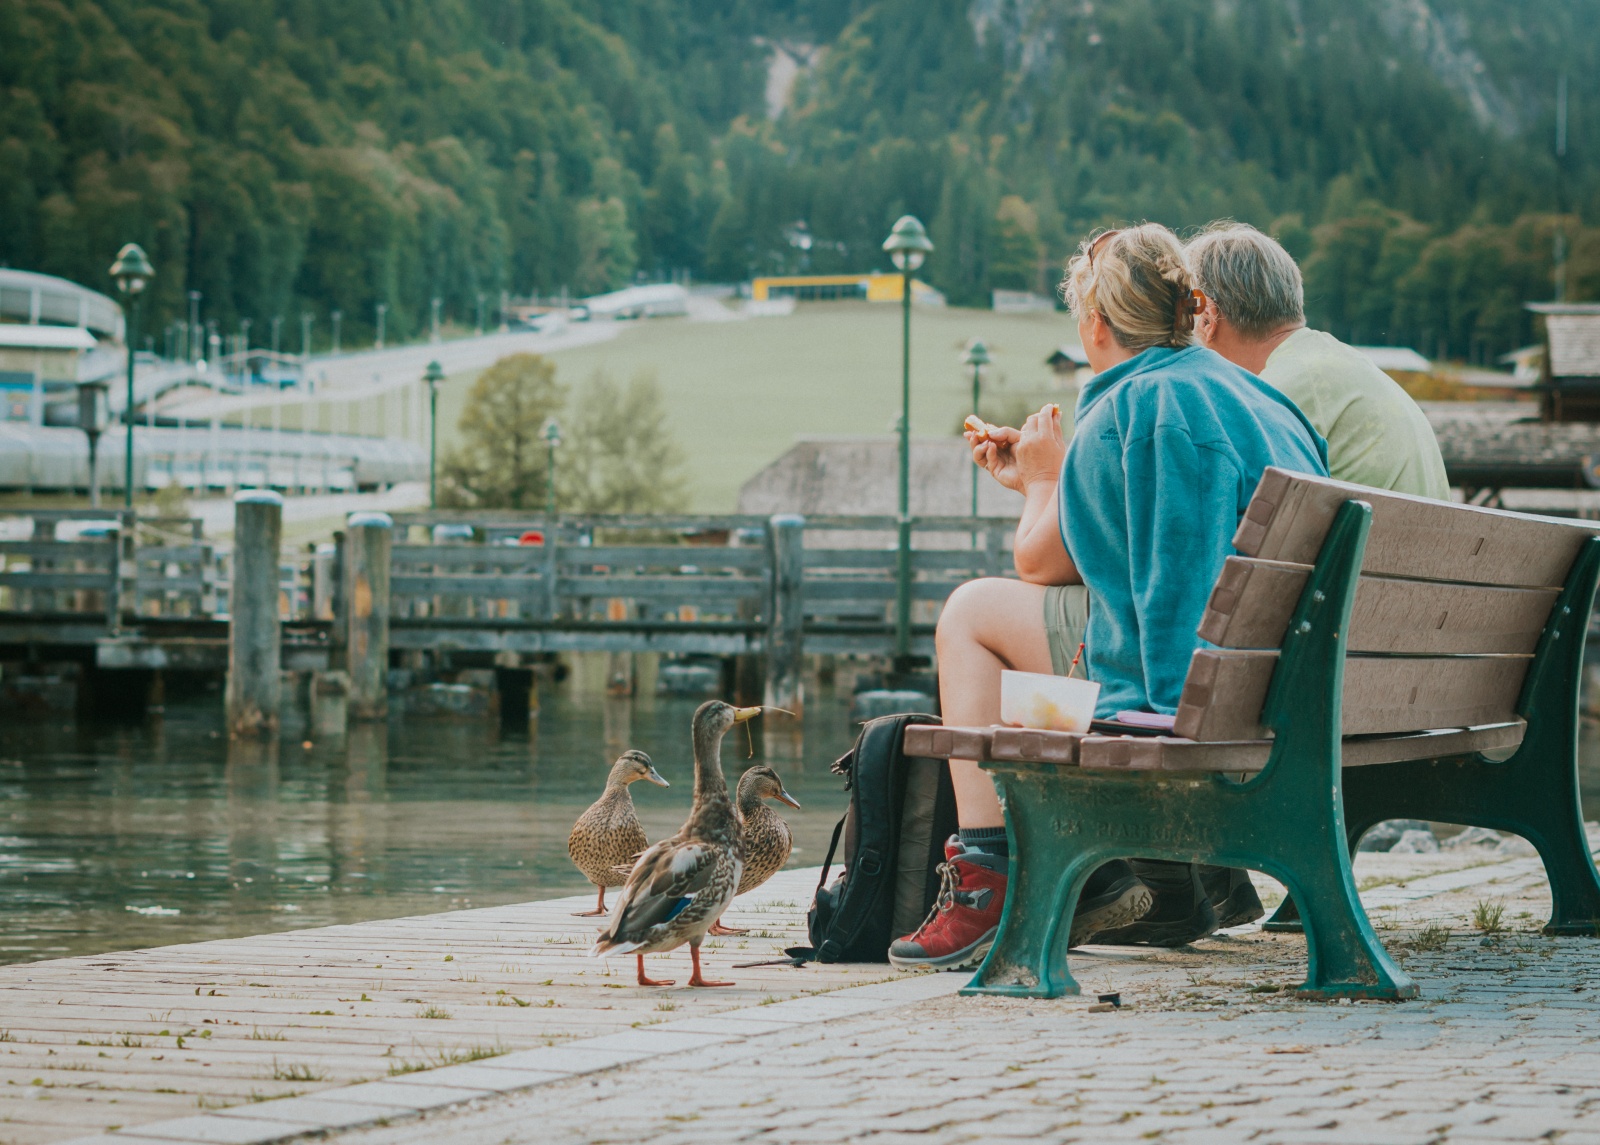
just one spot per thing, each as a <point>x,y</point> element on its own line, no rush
<point>1066,618</point>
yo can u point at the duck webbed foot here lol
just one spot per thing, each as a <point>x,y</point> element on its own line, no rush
<point>598,910</point>
<point>697,979</point>
<point>718,929</point>
<point>643,981</point>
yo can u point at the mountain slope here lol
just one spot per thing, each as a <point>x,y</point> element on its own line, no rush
<point>283,157</point>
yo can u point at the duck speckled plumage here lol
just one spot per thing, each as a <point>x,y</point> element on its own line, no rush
<point>680,886</point>
<point>609,836</point>
<point>766,837</point>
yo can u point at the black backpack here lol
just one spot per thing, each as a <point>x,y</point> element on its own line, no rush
<point>902,809</point>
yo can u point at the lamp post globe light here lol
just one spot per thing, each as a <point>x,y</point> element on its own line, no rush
<point>552,438</point>
<point>908,246</point>
<point>131,272</point>
<point>433,376</point>
<point>977,356</point>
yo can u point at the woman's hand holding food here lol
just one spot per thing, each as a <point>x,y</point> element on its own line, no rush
<point>1020,458</point>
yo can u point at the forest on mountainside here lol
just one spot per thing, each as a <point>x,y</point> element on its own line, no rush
<point>283,157</point>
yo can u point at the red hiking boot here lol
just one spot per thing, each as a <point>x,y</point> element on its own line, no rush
<point>961,927</point>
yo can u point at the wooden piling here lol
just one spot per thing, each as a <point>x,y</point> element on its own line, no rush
<point>329,701</point>
<point>254,633</point>
<point>324,566</point>
<point>369,538</point>
<point>785,645</point>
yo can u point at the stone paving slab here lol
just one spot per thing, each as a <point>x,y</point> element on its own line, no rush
<point>413,1094</point>
<point>134,1037</point>
<point>1210,1045</point>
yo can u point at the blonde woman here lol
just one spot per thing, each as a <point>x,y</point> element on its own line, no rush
<point>1122,535</point>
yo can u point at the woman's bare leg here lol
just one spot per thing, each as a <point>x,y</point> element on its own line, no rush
<point>986,625</point>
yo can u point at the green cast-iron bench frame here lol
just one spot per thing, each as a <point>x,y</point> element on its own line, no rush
<point>1369,656</point>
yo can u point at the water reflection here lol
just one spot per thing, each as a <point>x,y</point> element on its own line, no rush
<point>164,832</point>
<point>113,837</point>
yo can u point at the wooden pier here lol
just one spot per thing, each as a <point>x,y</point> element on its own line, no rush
<point>483,589</point>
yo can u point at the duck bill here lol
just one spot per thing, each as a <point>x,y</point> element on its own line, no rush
<point>656,778</point>
<point>740,715</point>
<point>785,797</point>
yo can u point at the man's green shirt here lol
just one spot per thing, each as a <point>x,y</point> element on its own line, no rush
<point>1377,436</point>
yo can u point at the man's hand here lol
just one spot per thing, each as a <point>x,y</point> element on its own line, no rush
<point>1020,458</point>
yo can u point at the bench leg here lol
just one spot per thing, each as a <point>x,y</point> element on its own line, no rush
<point>1343,955</point>
<point>1029,956</point>
<point>1533,794</point>
<point>1286,919</point>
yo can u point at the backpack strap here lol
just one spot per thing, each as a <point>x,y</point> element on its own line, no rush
<point>833,845</point>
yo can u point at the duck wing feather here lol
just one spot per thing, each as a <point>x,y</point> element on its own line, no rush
<point>663,882</point>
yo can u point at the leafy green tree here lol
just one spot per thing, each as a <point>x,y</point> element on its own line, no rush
<point>605,246</point>
<point>1016,261</point>
<point>281,157</point>
<point>620,455</point>
<point>501,462</point>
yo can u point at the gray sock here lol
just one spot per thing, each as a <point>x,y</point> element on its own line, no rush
<point>990,840</point>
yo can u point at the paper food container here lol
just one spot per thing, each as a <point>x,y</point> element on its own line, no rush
<point>1048,703</point>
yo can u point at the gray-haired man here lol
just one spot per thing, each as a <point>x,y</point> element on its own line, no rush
<point>1255,318</point>
<point>1376,436</point>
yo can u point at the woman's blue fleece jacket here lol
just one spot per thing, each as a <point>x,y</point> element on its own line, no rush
<point>1168,449</point>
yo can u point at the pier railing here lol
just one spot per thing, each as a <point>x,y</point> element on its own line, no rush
<point>90,566</point>
<point>154,594</point>
<point>684,584</point>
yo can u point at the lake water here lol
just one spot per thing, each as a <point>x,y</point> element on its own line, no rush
<point>114,837</point>
<point>162,832</point>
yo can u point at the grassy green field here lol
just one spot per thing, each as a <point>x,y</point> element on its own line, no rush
<point>741,392</point>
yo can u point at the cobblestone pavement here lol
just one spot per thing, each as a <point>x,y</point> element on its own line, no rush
<point>1207,1047</point>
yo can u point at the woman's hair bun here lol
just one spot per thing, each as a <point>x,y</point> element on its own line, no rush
<point>1139,282</point>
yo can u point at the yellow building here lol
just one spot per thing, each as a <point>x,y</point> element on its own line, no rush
<point>825,287</point>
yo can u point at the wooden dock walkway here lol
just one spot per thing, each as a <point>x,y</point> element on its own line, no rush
<point>120,1040</point>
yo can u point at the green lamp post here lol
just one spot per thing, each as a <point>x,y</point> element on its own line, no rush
<point>552,438</point>
<point>131,272</point>
<point>977,357</point>
<point>433,375</point>
<point>908,246</point>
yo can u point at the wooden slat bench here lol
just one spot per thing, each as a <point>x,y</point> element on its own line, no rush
<point>1369,656</point>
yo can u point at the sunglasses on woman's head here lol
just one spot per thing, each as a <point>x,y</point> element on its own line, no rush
<point>1100,238</point>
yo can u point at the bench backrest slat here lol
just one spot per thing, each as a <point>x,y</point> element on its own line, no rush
<point>1452,602</point>
<point>1226,689</point>
<point>1411,536</point>
<point>1253,600</point>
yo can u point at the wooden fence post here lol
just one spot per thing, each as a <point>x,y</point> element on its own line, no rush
<point>323,563</point>
<point>369,539</point>
<point>125,560</point>
<point>39,599</point>
<point>785,614</point>
<point>255,635</point>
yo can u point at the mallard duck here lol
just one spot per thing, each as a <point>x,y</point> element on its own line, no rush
<point>608,836</point>
<point>766,837</point>
<point>680,886</point>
